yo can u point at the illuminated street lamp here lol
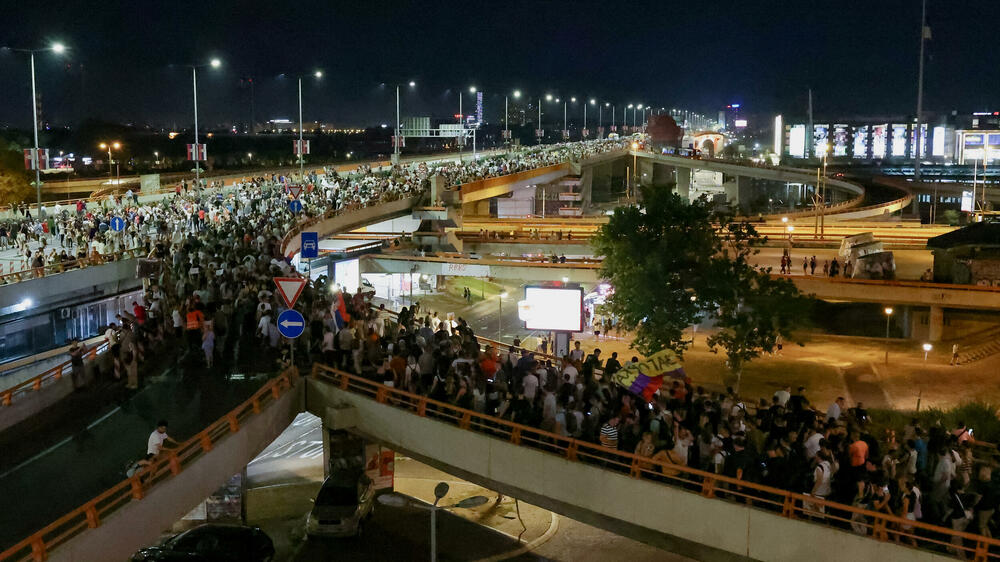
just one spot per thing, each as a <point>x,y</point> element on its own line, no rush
<point>506,114</point>
<point>301,150</point>
<point>57,48</point>
<point>108,146</point>
<point>888,315</point>
<point>396,142</point>
<point>214,63</point>
<point>927,349</point>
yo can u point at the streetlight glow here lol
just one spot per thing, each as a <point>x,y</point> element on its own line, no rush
<point>58,48</point>
<point>412,83</point>
<point>548,97</point>
<point>318,74</point>
<point>593,101</point>
<point>472,89</point>
<point>888,310</point>
<point>573,99</point>
<point>216,63</point>
<point>517,93</point>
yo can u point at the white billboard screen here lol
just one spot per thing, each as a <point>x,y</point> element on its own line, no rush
<point>899,140</point>
<point>967,202</point>
<point>879,133</point>
<point>861,142</point>
<point>552,309</point>
<point>937,147</point>
<point>347,274</point>
<point>797,141</point>
<point>821,138</point>
<point>840,140</point>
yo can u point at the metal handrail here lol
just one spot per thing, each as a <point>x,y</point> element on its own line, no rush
<point>879,525</point>
<point>166,465</point>
<point>63,266</point>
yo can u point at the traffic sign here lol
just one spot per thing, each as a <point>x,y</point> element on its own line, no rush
<point>310,245</point>
<point>291,324</point>
<point>295,206</point>
<point>295,190</point>
<point>117,224</point>
<point>290,288</point>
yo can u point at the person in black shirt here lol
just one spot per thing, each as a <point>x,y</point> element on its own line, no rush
<point>612,365</point>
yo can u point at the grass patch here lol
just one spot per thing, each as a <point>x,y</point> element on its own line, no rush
<point>980,416</point>
<point>481,288</point>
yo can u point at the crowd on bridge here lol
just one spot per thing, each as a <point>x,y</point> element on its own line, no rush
<point>927,474</point>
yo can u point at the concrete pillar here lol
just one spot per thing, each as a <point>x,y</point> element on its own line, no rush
<point>683,182</point>
<point>935,323</point>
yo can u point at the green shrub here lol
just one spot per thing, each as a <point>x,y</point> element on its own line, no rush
<point>980,416</point>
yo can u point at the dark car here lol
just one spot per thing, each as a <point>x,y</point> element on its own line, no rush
<point>346,499</point>
<point>222,543</point>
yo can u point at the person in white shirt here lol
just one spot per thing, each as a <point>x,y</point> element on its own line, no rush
<point>835,409</point>
<point>158,438</point>
<point>530,384</point>
<point>569,374</point>
<point>576,354</point>
<point>783,395</point>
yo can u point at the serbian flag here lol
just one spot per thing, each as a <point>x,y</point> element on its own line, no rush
<point>646,377</point>
<point>341,315</point>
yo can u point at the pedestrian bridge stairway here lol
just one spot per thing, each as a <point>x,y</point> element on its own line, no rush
<point>978,346</point>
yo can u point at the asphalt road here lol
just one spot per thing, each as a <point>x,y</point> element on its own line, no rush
<point>94,455</point>
<point>404,534</point>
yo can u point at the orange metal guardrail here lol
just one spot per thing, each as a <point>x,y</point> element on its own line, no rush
<point>892,283</point>
<point>576,263</point>
<point>52,375</point>
<point>879,525</point>
<point>169,463</point>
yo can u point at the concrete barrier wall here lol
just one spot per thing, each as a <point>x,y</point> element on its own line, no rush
<point>119,276</point>
<point>140,523</point>
<point>703,528</point>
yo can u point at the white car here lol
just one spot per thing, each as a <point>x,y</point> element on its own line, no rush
<point>344,502</point>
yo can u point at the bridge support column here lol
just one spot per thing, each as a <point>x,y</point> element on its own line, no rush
<point>683,182</point>
<point>935,324</point>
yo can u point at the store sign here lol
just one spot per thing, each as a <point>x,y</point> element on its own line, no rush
<point>465,269</point>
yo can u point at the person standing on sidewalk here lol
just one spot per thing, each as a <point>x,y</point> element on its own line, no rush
<point>954,354</point>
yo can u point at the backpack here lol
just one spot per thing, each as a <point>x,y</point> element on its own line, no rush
<point>571,424</point>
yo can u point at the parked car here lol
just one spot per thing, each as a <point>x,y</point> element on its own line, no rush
<point>346,499</point>
<point>212,542</point>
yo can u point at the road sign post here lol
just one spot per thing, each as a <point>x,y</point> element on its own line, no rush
<point>117,224</point>
<point>310,245</point>
<point>295,206</point>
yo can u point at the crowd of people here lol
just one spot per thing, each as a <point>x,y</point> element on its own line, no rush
<point>927,474</point>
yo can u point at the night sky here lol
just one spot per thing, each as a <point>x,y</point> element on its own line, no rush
<point>860,57</point>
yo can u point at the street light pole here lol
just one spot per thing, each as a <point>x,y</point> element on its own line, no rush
<point>197,149</point>
<point>924,32</point>
<point>888,315</point>
<point>500,299</point>
<point>34,125</point>
<point>302,158</point>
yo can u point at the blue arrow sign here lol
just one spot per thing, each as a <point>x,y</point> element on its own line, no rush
<point>291,324</point>
<point>310,245</point>
<point>295,206</point>
<point>117,224</point>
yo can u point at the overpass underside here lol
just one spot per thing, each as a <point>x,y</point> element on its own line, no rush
<point>570,273</point>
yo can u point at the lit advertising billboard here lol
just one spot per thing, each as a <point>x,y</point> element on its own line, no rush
<point>797,141</point>
<point>937,143</point>
<point>879,140</point>
<point>861,142</point>
<point>923,140</point>
<point>899,140</point>
<point>840,140</point>
<point>967,204</point>
<point>821,136</point>
<point>551,309</point>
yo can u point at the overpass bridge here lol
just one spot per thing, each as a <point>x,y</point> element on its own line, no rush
<point>684,510</point>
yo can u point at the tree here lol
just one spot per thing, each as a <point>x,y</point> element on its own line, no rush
<point>15,182</point>
<point>674,263</point>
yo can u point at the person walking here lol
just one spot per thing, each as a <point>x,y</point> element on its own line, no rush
<point>76,353</point>
<point>130,362</point>
<point>208,344</point>
<point>812,265</point>
<point>954,354</point>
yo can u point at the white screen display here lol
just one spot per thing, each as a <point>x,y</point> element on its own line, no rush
<point>797,141</point>
<point>346,274</point>
<point>938,142</point>
<point>547,308</point>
